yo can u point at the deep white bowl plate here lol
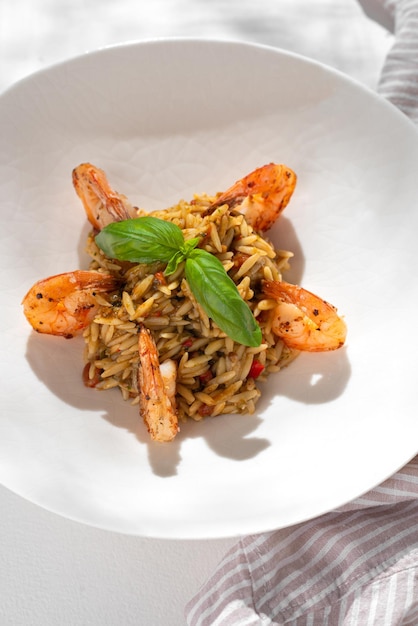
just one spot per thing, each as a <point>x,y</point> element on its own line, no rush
<point>166,119</point>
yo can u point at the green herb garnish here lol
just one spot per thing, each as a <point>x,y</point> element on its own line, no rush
<point>149,239</point>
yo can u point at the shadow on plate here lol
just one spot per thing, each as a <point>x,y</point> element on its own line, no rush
<point>284,237</point>
<point>57,363</point>
<point>316,378</point>
<point>311,379</point>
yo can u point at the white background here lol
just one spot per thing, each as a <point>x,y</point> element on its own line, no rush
<point>54,571</point>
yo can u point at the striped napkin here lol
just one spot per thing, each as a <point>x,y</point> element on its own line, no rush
<point>399,80</point>
<point>356,566</point>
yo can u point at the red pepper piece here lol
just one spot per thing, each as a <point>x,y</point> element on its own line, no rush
<point>256,369</point>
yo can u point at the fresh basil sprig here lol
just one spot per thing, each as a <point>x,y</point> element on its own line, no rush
<point>149,239</point>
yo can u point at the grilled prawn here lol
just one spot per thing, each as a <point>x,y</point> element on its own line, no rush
<point>303,320</point>
<point>66,303</point>
<point>261,196</point>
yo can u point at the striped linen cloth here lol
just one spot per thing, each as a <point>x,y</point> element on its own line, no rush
<point>399,80</point>
<point>358,565</point>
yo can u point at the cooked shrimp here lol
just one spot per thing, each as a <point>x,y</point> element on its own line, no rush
<point>102,204</point>
<point>261,196</point>
<point>65,303</point>
<point>303,320</point>
<point>157,388</point>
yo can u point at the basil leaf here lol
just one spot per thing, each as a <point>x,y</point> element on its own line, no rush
<point>180,255</point>
<point>174,262</point>
<point>141,240</point>
<point>217,293</point>
<point>189,245</point>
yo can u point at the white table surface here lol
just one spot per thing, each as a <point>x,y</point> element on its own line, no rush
<point>54,571</point>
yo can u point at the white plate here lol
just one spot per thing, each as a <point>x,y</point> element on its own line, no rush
<point>166,119</point>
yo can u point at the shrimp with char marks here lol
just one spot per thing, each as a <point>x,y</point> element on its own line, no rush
<point>102,204</point>
<point>66,303</point>
<point>261,196</point>
<point>157,384</point>
<point>303,320</point>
